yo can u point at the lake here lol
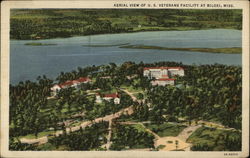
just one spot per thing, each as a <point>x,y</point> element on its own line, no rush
<point>27,62</point>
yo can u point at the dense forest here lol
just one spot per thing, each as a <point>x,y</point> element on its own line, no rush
<point>206,92</point>
<point>87,139</point>
<point>53,23</point>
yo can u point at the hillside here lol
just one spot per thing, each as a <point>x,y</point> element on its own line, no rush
<point>53,23</point>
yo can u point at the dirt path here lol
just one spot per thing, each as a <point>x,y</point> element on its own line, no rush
<point>109,135</point>
<point>39,141</point>
<point>185,133</point>
<point>131,95</point>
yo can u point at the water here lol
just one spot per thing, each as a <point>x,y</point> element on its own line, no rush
<point>28,62</point>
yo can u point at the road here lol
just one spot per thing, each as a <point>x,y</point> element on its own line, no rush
<point>107,146</point>
<point>42,140</point>
<point>131,95</point>
<point>185,133</point>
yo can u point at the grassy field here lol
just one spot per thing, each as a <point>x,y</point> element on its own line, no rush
<point>204,135</point>
<point>232,50</point>
<point>132,89</point>
<point>214,139</point>
<point>166,129</point>
<point>139,127</point>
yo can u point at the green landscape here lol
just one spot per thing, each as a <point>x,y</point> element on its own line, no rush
<point>206,101</point>
<point>32,24</point>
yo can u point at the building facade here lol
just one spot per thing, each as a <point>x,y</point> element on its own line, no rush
<point>163,82</point>
<point>162,72</point>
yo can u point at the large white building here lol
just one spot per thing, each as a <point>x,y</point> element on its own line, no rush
<point>162,72</point>
<point>162,75</point>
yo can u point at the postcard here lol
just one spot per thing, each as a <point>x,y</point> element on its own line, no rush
<point>125,78</point>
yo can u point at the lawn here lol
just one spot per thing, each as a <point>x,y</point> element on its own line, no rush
<point>40,134</point>
<point>132,89</point>
<point>204,135</point>
<point>214,139</point>
<point>139,128</point>
<point>165,129</point>
<point>112,90</point>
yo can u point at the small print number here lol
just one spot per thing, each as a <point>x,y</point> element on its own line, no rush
<point>230,154</point>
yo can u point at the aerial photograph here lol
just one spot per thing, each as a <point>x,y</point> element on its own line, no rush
<point>125,80</point>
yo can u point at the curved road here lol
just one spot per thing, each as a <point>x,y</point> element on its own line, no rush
<point>42,140</point>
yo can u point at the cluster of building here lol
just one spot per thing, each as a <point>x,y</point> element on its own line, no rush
<point>162,75</point>
<point>71,83</point>
<point>108,97</point>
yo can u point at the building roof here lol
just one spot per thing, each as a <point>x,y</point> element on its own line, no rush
<point>71,82</point>
<point>179,68</point>
<point>67,83</point>
<point>162,67</point>
<point>165,79</point>
<point>113,95</point>
<point>82,79</point>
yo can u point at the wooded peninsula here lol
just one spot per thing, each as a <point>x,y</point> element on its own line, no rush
<point>232,50</point>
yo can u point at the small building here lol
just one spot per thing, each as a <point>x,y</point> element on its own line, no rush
<point>163,82</point>
<point>55,89</point>
<point>108,97</point>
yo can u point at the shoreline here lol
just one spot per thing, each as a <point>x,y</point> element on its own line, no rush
<point>54,76</point>
<point>136,31</point>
